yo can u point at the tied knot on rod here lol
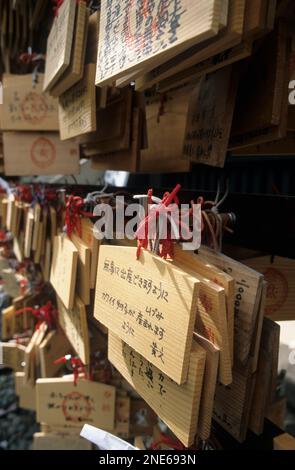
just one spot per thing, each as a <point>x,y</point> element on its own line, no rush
<point>214,224</point>
<point>76,365</point>
<point>74,212</point>
<point>47,313</point>
<point>150,230</point>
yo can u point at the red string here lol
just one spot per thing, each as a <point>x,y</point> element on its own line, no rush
<point>47,313</point>
<point>56,6</point>
<point>76,364</point>
<point>167,440</point>
<point>73,214</point>
<point>142,231</point>
<point>58,3</point>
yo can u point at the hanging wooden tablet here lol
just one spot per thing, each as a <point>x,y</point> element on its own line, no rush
<point>122,418</point>
<point>232,404</point>
<point>123,160</point>
<point>211,321</point>
<point>64,269</point>
<point>60,442</point>
<point>54,346</point>
<point>83,269</point>
<point>263,395</point>
<point>18,247</point>
<point>59,44</point>
<point>25,107</point>
<point>213,63</point>
<point>36,231</point>
<point>7,323</point>
<point>92,38</point>
<point>13,355</point>
<point>88,237</point>
<point>261,108</point>
<point>256,340</point>
<point>217,276</point>
<point>209,386</point>
<point>165,133</point>
<point>113,125</point>
<point>53,223</point>
<point>248,285</point>
<point>18,304</point>
<point>210,116</point>
<point>122,51</point>
<point>29,232</point>
<point>41,154</point>
<point>75,71</point>
<point>229,37</point>
<point>25,392</point>
<point>138,301</point>
<point>176,405</point>
<point>77,107</point>
<point>60,402</point>
<point>47,260</point>
<point>74,324</point>
<point>284,442</point>
<point>256,18</point>
<point>279,274</point>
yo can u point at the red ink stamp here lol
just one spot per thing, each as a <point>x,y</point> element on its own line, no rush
<point>76,407</point>
<point>277,290</point>
<point>43,153</point>
<point>34,108</point>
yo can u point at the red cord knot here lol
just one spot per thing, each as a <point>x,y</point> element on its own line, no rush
<point>76,364</point>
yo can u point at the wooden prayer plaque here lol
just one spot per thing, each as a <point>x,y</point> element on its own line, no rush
<point>76,68</point>
<point>60,441</point>
<point>59,43</point>
<point>26,107</point>
<point>64,269</point>
<point>211,321</point>
<point>13,355</point>
<point>25,391</point>
<point>144,301</point>
<point>284,442</point>
<point>263,394</point>
<point>166,133</point>
<point>60,402</point>
<point>209,386</point>
<point>216,275</point>
<point>74,323</point>
<point>132,37</point>
<point>83,269</point>
<point>248,285</point>
<point>232,404</point>
<point>280,277</point>
<point>88,237</point>
<point>77,107</point>
<point>176,405</point>
<point>228,37</point>
<point>209,118</point>
<point>54,346</point>
<point>41,154</point>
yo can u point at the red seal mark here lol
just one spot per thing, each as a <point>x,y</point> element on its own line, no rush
<point>34,108</point>
<point>277,290</point>
<point>76,407</point>
<point>43,153</point>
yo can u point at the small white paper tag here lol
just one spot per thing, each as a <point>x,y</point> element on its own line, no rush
<point>104,440</point>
